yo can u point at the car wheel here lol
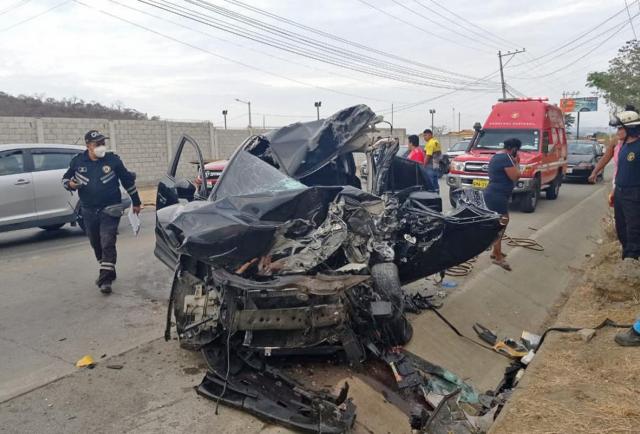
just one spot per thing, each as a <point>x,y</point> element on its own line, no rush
<point>554,188</point>
<point>452,200</point>
<point>386,282</point>
<point>529,200</point>
<point>52,227</point>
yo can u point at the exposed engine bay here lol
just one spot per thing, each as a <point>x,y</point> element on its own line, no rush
<point>291,257</point>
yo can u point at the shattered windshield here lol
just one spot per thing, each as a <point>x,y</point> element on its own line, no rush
<point>247,174</point>
<point>494,138</point>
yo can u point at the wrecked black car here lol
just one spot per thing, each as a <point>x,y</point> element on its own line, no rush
<point>290,255</point>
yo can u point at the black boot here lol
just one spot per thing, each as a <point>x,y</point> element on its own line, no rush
<point>105,288</point>
<point>628,338</point>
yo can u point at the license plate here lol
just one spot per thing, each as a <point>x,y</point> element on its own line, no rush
<point>480,183</point>
<point>569,170</point>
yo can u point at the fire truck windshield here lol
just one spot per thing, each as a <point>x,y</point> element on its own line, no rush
<point>494,138</point>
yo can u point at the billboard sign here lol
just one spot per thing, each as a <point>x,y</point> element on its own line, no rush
<point>570,105</point>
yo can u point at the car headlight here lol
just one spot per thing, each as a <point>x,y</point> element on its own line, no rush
<point>585,165</point>
<point>525,169</point>
<point>458,166</point>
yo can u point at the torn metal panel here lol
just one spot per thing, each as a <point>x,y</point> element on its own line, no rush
<point>289,319</point>
<point>290,257</point>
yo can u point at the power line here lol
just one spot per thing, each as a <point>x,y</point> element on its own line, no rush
<point>296,37</point>
<point>349,60</point>
<point>35,16</point>
<point>577,38</point>
<point>499,39</point>
<point>339,39</point>
<point>228,59</point>
<point>261,52</point>
<point>615,27</point>
<point>584,55</point>
<point>14,6</point>
<point>457,23</point>
<point>408,23</point>
<point>630,21</point>
<point>431,19</point>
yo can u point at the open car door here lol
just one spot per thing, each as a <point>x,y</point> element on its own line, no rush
<point>183,183</point>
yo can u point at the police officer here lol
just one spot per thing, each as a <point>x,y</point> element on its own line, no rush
<point>96,175</point>
<point>626,200</point>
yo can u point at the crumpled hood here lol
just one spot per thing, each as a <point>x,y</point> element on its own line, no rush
<point>305,147</point>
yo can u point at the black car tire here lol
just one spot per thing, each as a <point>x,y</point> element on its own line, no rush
<point>52,227</point>
<point>451,199</point>
<point>386,281</point>
<point>554,188</point>
<point>529,200</point>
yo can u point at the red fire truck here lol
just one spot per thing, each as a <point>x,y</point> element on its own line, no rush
<point>543,156</point>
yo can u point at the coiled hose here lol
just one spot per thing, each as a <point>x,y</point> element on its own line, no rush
<point>466,267</point>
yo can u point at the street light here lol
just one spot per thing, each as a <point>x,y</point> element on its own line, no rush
<point>224,113</point>
<point>317,105</point>
<point>432,112</point>
<point>248,103</point>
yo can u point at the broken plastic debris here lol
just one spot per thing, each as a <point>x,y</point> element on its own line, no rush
<point>530,340</point>
<point>587,334</point>
<point>448,284</point>
<point>528,358</point>
<point>86,362</point>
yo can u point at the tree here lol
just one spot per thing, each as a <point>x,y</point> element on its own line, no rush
<point>569,120</point>
<point>620,85</point>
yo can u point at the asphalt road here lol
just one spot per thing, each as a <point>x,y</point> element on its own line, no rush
<point>51,313</point>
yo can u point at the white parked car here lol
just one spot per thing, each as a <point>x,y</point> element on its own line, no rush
<point>31,191</point>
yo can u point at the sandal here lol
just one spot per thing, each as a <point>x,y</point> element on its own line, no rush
<point>502,264</point>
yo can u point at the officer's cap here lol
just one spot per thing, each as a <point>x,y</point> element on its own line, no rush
<point>94,136</point>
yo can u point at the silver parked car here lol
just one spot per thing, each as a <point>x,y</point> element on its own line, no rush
<point>31,191</point>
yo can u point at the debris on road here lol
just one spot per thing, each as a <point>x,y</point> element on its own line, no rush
<point>115,366</point>
<point>86,362</point>
<point>291,257</point>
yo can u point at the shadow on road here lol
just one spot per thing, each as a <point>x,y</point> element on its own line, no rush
<point>27,236</point>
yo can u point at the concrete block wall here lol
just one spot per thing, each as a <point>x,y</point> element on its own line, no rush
<point>18,130</point>
<point>146,147</point>
<point>68,130</point>
<point>142,146</point>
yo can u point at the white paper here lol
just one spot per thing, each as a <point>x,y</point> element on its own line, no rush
<point>134,221</point>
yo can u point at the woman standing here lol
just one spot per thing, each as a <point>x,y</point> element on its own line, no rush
<point>503,172</point>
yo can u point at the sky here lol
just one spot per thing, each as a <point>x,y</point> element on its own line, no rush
<point>175,68</point>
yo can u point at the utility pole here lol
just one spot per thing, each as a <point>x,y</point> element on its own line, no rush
<point>317,105</point>
<point>500,56</point>
<point>391,113</point>
<point>432,112</point>
<point>453,119</point>
<point>263,123</point>
<point>224,113</point>
<point>248,103</point>
<point>573,94</point>
<point>459,129</point>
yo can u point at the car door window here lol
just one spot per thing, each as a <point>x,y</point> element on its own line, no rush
<point>51,160</point>
<point>11,162</point>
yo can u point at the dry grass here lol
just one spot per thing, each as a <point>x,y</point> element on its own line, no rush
<point>578,387</point>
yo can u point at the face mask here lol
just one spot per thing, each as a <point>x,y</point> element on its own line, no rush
<point>100,151</point>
